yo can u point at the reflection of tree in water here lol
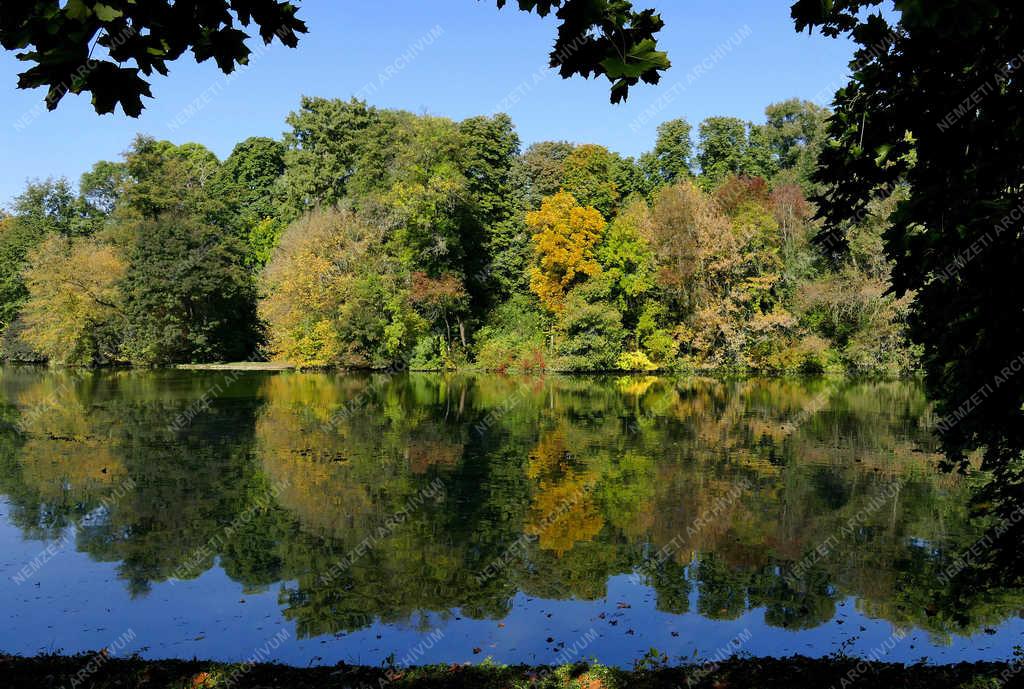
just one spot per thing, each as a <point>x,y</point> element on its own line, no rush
<point>347,475</point>
<point>67,448</point>
<point>562,512</point>
<point>188,483</point>
<point>65,463</point>
<point>597,473</point>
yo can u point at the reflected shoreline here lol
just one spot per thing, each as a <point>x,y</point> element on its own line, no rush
<point>362,502</point>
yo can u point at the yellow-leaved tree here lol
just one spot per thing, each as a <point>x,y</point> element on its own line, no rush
<point>310,280</point>
<point>565,235</point>
<point>333,296</point>
<point>73,314</point>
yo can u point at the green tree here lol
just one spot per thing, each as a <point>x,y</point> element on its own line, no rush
<point>166,178</point>
<point>670,161</point>
<point>796,134</point>
<point>730,146</point>
<point>263,238</point>
<point>761,161</point>
<point>541,171</point>
<point>589,174</point>
<point>101,187</point>
<point>722,148</point>
<point>188,296</point>
<point>53,205</point>
<point>17,238</point>
<point>489,155</point>
<point>630,179</point>
<point>490,146</point>
<point>513,336</point>
<point>627,261</point>
<point>589,333</point>
<point>248,179</point>
<point>324,145</point>
<point>426,198</point>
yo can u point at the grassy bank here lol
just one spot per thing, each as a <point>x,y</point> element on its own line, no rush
<point>101,672</point>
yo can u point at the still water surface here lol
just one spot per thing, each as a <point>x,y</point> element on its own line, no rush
<point>315,518</point>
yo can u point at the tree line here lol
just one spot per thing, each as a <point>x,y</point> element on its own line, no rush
<point>372,238</point>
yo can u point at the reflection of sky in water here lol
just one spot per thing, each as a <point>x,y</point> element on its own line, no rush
<point>74,604</point>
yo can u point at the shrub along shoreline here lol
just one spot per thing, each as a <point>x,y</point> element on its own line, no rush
<point>797,672</point>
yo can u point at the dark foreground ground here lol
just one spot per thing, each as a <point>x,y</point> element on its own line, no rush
<point>102,672</point>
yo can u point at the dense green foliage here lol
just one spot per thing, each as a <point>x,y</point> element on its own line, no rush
<point>595,37</point>
<point>934,104</point>
<point>378,238</point>
<point>187,295</point>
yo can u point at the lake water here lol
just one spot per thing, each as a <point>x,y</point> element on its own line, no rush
<point>314,518</point>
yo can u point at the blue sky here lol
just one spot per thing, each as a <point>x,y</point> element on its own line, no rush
<point>461,58</point>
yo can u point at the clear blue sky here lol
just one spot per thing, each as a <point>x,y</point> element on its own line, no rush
<point>479,59</point>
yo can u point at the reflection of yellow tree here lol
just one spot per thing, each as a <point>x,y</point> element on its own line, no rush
<point>311,459</point>
<point>335,446</point>
<point>636,386</point>
<point>563,512</point>
<point>69,447</point>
